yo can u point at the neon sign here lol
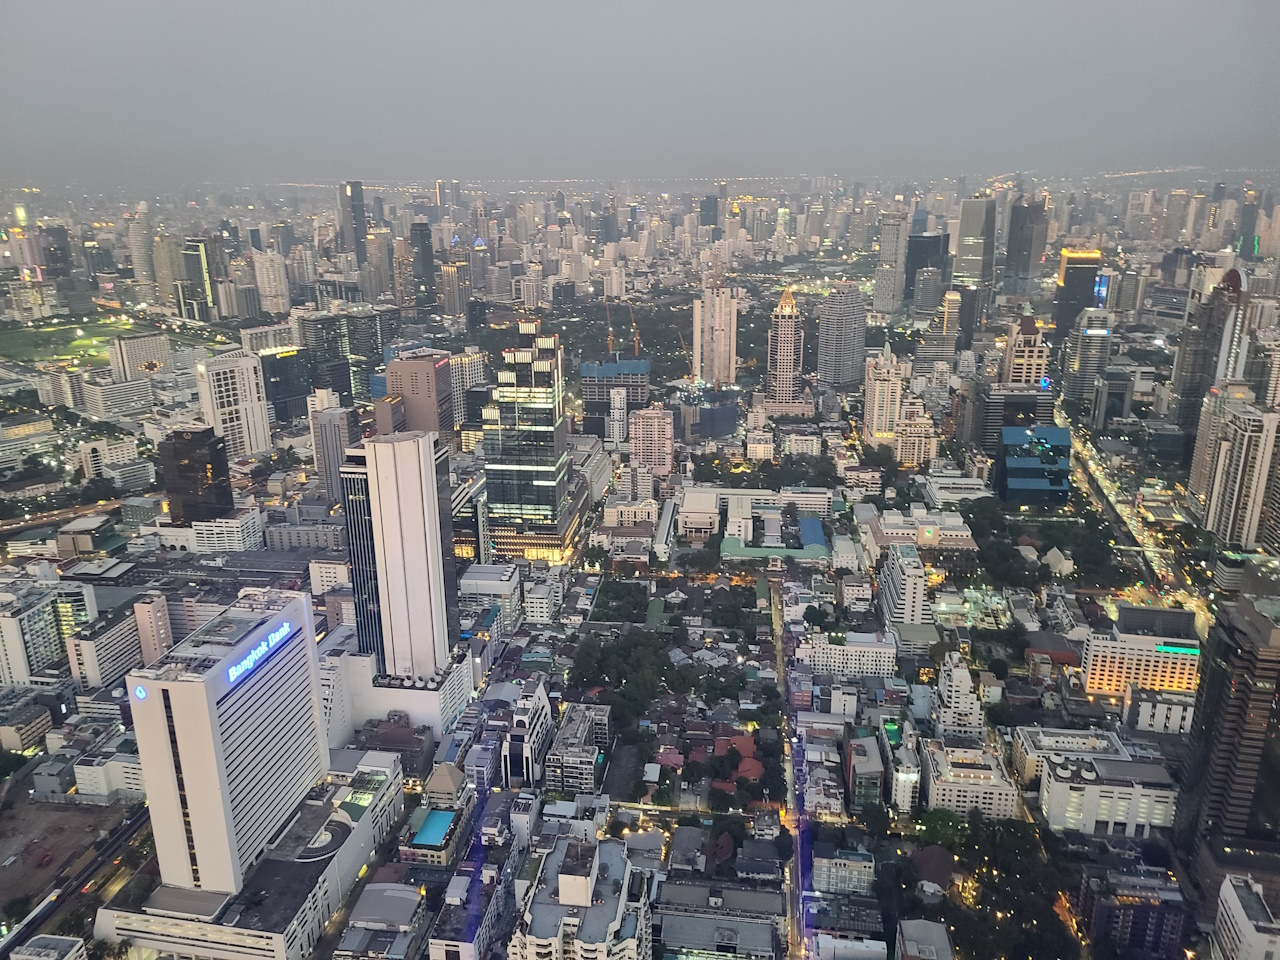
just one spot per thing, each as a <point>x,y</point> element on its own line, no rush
<point>251,659</point>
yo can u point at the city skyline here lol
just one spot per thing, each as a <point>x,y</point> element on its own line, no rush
<point>1104,93</point>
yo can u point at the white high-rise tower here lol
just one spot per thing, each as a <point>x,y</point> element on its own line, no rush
<point>842,337</point>
<point>715,334</point>
<point>233,401</point>
<point>141,245</point>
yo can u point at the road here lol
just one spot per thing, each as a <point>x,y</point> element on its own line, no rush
<point>44,914</point>
<point>792,815</point>
<point>40,519</point>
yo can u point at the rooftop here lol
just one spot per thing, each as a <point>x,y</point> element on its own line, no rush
<point>546,914</point>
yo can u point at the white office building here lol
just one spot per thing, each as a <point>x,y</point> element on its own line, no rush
<point>404,493</point>
<point>1158,711</point>
<point>138,356</point>
<point>1108,797</point>
<point>524,751</point>
<point>29,637</point>
<point>715,334</point>
<point>904,587</point>
<point>498,584</point>
<point>155,632</point>
<point>961,779</point>
<point>105,650</point>
<point>849,655</point>
<point>1244,928</point>
<point>1033,747</point>
<point>230,737</point>
<point>233,401</point>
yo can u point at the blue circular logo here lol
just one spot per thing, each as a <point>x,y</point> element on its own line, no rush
<point>140,692</point>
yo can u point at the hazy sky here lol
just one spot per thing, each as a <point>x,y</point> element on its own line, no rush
<point>164,92</point>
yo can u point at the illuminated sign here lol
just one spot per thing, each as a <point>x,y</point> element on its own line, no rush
<point>140,692</point>
<point>1044,383</point>
<point>251,659</point>
<point>1172,648</point>
<point>1097,332</point>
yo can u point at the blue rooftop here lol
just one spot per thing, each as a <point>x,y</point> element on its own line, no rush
<point>614,367</point>
<point>1013,436</point>
<point>434,828</point>
<point>811,532</point>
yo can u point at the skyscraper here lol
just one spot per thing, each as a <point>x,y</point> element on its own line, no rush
<point>197,479</point>
<point>786,349</point>
<point>715,333</point>
<point>652,432</point>
<point>1212,347</point>
<point>424,380</point>
<point>1230,783</point>
<point>230,737</point>
<point>842,337</point>
<point>973,270</point>
<point>334,428</point>
<point>534,505</point>
<point>233,401</point>
<point>201,266</point>
<point>885,380</point>
<point>895,230</point>
<point>924,250</point>
<point>140,245</point>
<point>1245,463</point>
<point>455,288</point>
<point>400,534</point>
<point>1206,457</point>
<point>1077,279</point>
<point>939,344</point>
<point>1028,233</point>
<point>424,266</point>
<point>353,225</point>
<point>272,281</point>
<point>1086,354</point>
<point>1026,355</point>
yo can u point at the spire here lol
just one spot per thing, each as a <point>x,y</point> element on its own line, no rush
<point>788,302</point>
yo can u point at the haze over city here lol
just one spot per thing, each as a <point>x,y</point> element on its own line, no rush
<point>154,94</point>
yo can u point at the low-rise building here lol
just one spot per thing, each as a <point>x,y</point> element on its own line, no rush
<point>387,922</point>
<point>961,778</point>
<point>1033,746</point>
<point>1244,928</point>
<point>1108,797</point>
<point>494,583</point>
<point>842,871</point>
<point>1158,711</point>
<point>1136,913</point>
<point>475,902</point>
<point>923,940</point>
<point>586,901</point>
<point>849,655</point>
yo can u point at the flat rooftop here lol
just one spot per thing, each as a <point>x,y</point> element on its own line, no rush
<point>546,914</point>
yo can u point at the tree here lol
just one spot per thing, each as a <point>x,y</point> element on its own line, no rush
<point>815,616</point>
<point>876,819</point>
<point>785,844</point>
<point>693,772</point>
<point>999,669</point>
<point>719,800</point>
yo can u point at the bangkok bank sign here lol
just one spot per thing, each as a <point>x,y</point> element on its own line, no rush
<point>254,656</point>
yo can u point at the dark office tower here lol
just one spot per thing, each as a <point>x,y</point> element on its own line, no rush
<point>1028,233</point>
<point>1176,207</point>
<point>197,480</point>
<point>708,211</point>
<point>368,332</point>
<point>534,510</point>
<point>424,264</point>
<point>282,239</point>
<point>201,258</point>
<point>1249,244</point>
<point>1219,192</point>
<point>1212,348</point>
<point>55,250</point>
<point>1077,278</point>
<point>1232,778</point>
<point>842,337</point>
<point>456,193</point>
<point>559,201</point>
<point>286,381</point>
<point>324,336</point>
<point>924,250</point>
<point>973,270</point>
<point>353,226</point>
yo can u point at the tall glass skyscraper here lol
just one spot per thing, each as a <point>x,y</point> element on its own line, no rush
<point>534,508</point>
<point>973,270</point>
<point>197,478</point>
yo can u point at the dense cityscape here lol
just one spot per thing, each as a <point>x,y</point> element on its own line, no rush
<point>803,567</point>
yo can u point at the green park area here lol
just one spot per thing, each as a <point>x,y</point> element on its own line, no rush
<point>85,340</point>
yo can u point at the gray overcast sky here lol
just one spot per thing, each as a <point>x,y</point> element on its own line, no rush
<point>162,92</point>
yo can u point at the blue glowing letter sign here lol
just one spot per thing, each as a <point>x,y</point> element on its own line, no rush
<point>250,659</point>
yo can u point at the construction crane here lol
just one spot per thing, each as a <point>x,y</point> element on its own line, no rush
<point>684,347</point>
<point>635,331</point>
